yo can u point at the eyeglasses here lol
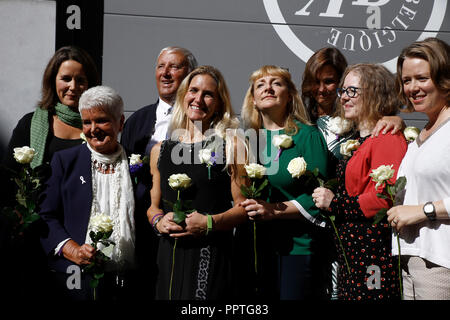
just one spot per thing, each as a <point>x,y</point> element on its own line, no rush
<point>351,91</point>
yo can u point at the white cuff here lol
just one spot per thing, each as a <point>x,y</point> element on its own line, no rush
<point>60,245</point>
<point>306,214</point>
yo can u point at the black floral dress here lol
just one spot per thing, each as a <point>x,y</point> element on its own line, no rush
<point>373,270</point>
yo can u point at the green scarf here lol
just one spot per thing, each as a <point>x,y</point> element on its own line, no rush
<point>40,128</point>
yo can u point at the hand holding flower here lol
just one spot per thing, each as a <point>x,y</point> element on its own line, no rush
<point>196,225</point>
<point>78,254</point>
<point>258,209</point>
<point>167,225</point>
<point>322,197</point>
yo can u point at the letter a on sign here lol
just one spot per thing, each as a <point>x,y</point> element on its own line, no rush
<point>74,280</point>
<point>73,21</point>
<point>374,280</point>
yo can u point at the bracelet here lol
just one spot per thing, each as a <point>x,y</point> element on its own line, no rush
<point>155,221</point>
<point>209,223</point>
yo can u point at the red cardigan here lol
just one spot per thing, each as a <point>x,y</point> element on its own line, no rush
<point>386,149</point>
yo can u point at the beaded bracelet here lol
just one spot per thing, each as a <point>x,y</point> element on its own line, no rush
<point>209,223</point>
<point>155,221</point>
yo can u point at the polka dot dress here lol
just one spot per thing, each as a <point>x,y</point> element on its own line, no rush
<point>373,270</point>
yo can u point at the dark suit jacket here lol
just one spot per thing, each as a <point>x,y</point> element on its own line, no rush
<point>138,129</point>
<point>66,206</point>
<point>136,134</point>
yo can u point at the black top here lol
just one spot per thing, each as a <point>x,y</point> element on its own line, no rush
<point>202,265</point>
<point>21,137</point>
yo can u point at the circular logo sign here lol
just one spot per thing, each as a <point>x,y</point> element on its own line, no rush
<point>376,30</point>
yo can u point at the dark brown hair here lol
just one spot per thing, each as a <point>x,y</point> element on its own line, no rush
<point>49,96</point>
<point>325,56</point>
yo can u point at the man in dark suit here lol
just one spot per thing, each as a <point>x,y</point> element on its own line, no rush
<point>143,129</point>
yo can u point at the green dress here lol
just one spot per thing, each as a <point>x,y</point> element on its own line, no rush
<point>260,273</point>
<point>295,237</point>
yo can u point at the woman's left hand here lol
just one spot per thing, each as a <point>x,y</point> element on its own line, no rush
<point>401,216</point>
<point>258,209</point>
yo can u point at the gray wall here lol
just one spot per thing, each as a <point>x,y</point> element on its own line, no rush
<point>27,38</point>
<point>237,37</point>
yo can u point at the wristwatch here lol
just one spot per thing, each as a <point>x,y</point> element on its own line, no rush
<point>430,211</point>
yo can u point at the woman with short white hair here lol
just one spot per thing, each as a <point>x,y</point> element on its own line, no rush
<point>87,182</point>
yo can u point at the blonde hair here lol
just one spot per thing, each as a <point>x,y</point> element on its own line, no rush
<point>295,109</point>
<point>377,92</point>
<point>223,119</point>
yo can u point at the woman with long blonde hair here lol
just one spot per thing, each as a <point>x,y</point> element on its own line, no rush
<point>286,218</point>
<point>194,255</point>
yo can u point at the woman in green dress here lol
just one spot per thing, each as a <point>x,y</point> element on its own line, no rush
<point>287,221</point>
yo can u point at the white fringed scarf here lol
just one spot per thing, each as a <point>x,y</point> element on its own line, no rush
<point>112,195</point>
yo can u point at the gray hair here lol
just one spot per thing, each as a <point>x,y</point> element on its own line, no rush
<point>192,62</point>
<point>102,96</point>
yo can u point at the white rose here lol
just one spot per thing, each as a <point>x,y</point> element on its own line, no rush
<point>179,181</point>
<point>339,125</point>
<point>282,141</point>
<point>297,167</point>
<point>255,171</point>
<point>24,155</point>
<point>382,174</point>
<point>205,156</point>
<point>348,146</point>
<point>101,222</point>
<point>411,133</point>
<point>135,159</point>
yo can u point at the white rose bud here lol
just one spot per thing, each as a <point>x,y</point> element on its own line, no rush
<point>24,155</point>
<point>102,223</point>
<point>339,125</point>
<point>382,174</point>
<point>297,167</point>
<point>205,156</point>
<point>255,171</point>
<point>411,133</point>
<point>179,181</point>
<point>282,141</point>
<point>348,146</point>
<point>135,159</point>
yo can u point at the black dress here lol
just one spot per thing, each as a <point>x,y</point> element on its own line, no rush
<point>197,268</point>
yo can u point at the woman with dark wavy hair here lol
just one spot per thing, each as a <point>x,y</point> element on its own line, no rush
<point>56,122</point>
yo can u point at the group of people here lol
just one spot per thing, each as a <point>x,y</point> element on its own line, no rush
<point>300,239</point>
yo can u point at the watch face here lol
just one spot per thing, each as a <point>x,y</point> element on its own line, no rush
<point>428,208</point>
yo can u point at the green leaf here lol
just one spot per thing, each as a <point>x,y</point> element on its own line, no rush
<point>244,191</point>
<point>400,184</point>
<point>380,215</point>
<point>168,203</point>
<point>94,283</point>
<point>382,196</point>
<point>315,172</point>
<point>331,184</point>
<point>179,216</point>
<point>262,186</point>
<point>98,276</point>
